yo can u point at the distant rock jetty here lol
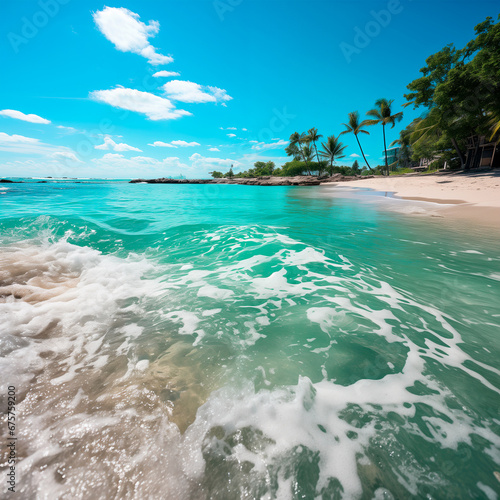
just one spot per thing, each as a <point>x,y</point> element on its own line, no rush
<point>302,180</point>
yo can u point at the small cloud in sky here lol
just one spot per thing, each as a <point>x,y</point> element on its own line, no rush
<point>65,155</point>
<point>18,115</point>
<point>262,146</point>
<point>244,129</point>
<point>185,91</point>
<point>231,128</point>
<point>174,144</point>
<point>166,74</point>
<point>254,142</point>
<point>231,135</point>
<point>69,130</point>
<point>160,144</point>
<point>213,149</point>
<point>200,161</point>
<point>24,145</point>
<point>153,106</point>
<point>184,144</point>
<point>110,144</point>
<point>112,156</point>
<point>15,139</point>
<point>127,33</point>
<point>354,155</point>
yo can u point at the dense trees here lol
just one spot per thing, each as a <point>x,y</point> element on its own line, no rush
<point>459,89</point>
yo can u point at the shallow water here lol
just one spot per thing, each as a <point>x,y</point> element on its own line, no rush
<point>246,342</point>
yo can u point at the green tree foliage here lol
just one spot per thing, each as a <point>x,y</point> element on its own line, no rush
<point>333,150</point>
<point>216,175</point>
<point>405,152</point>
<point>460,90</point>
<point>260,169</point>
<point>315,137</point>
<point>230,173</point>
<point>293,168</point>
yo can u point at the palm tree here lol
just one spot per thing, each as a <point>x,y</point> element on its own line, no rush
<point>308,155</point>
<point>293,150</point>
<point>355,127</point>
<point>383,114</point>
<point>332,150</point>
<point>296,141</point>
<point>313,137</point>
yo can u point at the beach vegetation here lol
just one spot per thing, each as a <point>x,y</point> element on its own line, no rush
<point>333,150</point>
<point>356,127</point>
<point>460,92</point>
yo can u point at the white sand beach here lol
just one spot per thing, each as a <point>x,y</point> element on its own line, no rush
<point>474,196</point>
<point>480,189</point>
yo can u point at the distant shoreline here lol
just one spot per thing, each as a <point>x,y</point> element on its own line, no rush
<point>303,180</point>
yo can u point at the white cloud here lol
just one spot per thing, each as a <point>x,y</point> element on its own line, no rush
<point>18,115</point>
<point>200,161</point>
<point>262,146</point>
<point>160,144</point>
<point>231,135</point>
<point>214,149</point>
<point>28,145</point>
<point>244,129</point>
<point>184,144</point>
<point>166,74</point>
<point>16,139</point>
<point>354,155</point>
<point>69,130</point>
<point>65,155</point>
<point>110,144</point>
<point>185,91</point>
<point>153,106</point>
<point>254,142</point>
<point>112,156</point>
<point>174,144</point>
<point>231,128</point>
<point>123,28</point>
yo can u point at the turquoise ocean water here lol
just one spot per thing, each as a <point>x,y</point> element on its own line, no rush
<point>226,342</point>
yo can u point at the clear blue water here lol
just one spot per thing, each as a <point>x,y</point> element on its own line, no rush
<point>205,341</point>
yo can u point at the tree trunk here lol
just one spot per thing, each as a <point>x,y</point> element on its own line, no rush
<point>385,151</point>
<point>364,158</point>
<point>317,159</point>
<point>459,153</point>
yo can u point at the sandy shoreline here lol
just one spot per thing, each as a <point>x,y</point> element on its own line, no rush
<point>473,196</point>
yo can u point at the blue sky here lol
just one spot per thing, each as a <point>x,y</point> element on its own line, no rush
<point>79,97</point>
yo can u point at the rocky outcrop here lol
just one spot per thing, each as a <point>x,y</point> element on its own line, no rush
<point>299,180</point>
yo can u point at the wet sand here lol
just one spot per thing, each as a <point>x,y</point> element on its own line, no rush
<point>470,196</point>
